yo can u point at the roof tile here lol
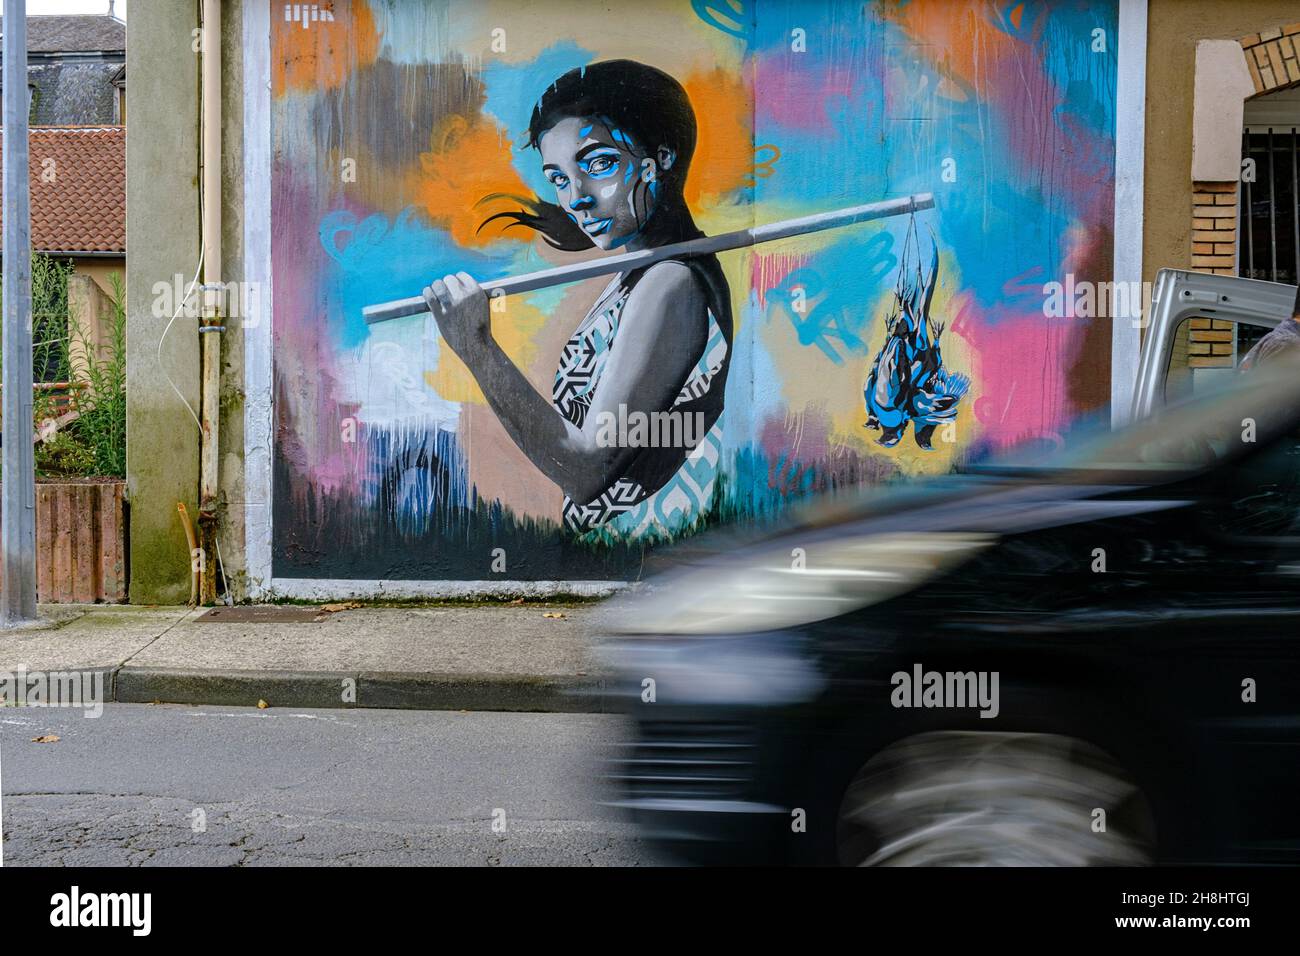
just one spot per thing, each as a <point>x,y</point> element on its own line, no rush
<point>78,188</point>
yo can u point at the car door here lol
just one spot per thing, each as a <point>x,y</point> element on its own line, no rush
<point>1245,637</point>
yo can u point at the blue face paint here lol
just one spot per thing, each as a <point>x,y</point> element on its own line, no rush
<point>585,131</point>
<point>600,164</point>
<point>623,139</point>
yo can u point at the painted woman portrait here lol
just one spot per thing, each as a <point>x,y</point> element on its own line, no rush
<point>615,141</point>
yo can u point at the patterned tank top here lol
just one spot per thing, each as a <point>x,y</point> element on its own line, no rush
<point>666,486</point>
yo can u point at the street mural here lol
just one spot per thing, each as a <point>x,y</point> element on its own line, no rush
<point>615,139</point>
<point>428,148</point>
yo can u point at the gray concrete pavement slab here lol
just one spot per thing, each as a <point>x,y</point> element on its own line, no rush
<point>87,637</point>
<point>529,657</point>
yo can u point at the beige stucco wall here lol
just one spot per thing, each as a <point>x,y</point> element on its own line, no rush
<point>99,270</point>
<point>1174,28</point>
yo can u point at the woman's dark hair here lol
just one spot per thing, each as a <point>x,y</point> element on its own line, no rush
<point>645,103</point>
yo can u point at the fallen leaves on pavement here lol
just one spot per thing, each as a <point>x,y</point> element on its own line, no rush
<point>341,606</point>
<point>46,739</point>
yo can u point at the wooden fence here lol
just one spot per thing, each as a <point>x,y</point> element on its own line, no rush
<point>80,542</point>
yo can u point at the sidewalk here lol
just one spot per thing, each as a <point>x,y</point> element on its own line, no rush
<point>528,657</point>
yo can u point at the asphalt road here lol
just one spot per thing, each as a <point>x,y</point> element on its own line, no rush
<point>200,786</point>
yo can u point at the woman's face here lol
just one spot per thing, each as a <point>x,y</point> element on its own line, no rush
<point>605,181</point>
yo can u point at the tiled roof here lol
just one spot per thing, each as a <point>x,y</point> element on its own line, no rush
<point>79,199</point>
<point>74,34</point>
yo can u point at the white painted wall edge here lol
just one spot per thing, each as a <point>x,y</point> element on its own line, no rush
<point>335,589</point>
<point>258,423</point>
<point>1130,154</point>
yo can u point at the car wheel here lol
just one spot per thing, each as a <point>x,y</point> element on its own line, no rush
<point>993,799</point>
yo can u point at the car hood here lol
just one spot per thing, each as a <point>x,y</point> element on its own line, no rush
<point>838,556</point>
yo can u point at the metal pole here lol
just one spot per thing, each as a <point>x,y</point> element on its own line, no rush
<point>1272,208</point>
<point>18,514</point>
<point>400,308</point>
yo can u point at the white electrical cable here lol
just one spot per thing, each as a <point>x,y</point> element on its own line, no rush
<point>179,307</point>
<point>220,567</point>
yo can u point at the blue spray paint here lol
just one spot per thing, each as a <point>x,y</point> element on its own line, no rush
<point>908,382</point>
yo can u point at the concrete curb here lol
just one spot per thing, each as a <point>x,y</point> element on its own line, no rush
<point>326,689</point>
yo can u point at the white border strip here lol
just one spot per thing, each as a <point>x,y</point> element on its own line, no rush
<point>258,422</point>
<point>324,589</point>
<point>1130,152</point>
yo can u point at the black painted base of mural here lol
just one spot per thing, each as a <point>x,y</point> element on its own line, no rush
<point>319,535</point>
<point>410,525</point>
<point>338,536</point>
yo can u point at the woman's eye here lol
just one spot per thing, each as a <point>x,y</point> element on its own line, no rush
<point>602,165</point>
<point>559,182</point>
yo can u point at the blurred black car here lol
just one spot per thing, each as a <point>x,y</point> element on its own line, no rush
<point>1116,639</point>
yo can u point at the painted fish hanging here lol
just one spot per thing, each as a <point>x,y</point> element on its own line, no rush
<point>908,382</point>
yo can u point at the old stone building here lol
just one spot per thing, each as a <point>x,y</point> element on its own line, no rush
<point>76,69</point>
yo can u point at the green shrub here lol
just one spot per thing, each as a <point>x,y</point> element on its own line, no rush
<point>94,444</point>
<point>64,456</point>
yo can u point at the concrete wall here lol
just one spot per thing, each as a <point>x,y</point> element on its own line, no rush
<point>163,236</point>
<point>1174,28</point>
<point>90,324</point>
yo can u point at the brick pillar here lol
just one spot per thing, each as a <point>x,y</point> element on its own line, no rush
<point>1214,249</point>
